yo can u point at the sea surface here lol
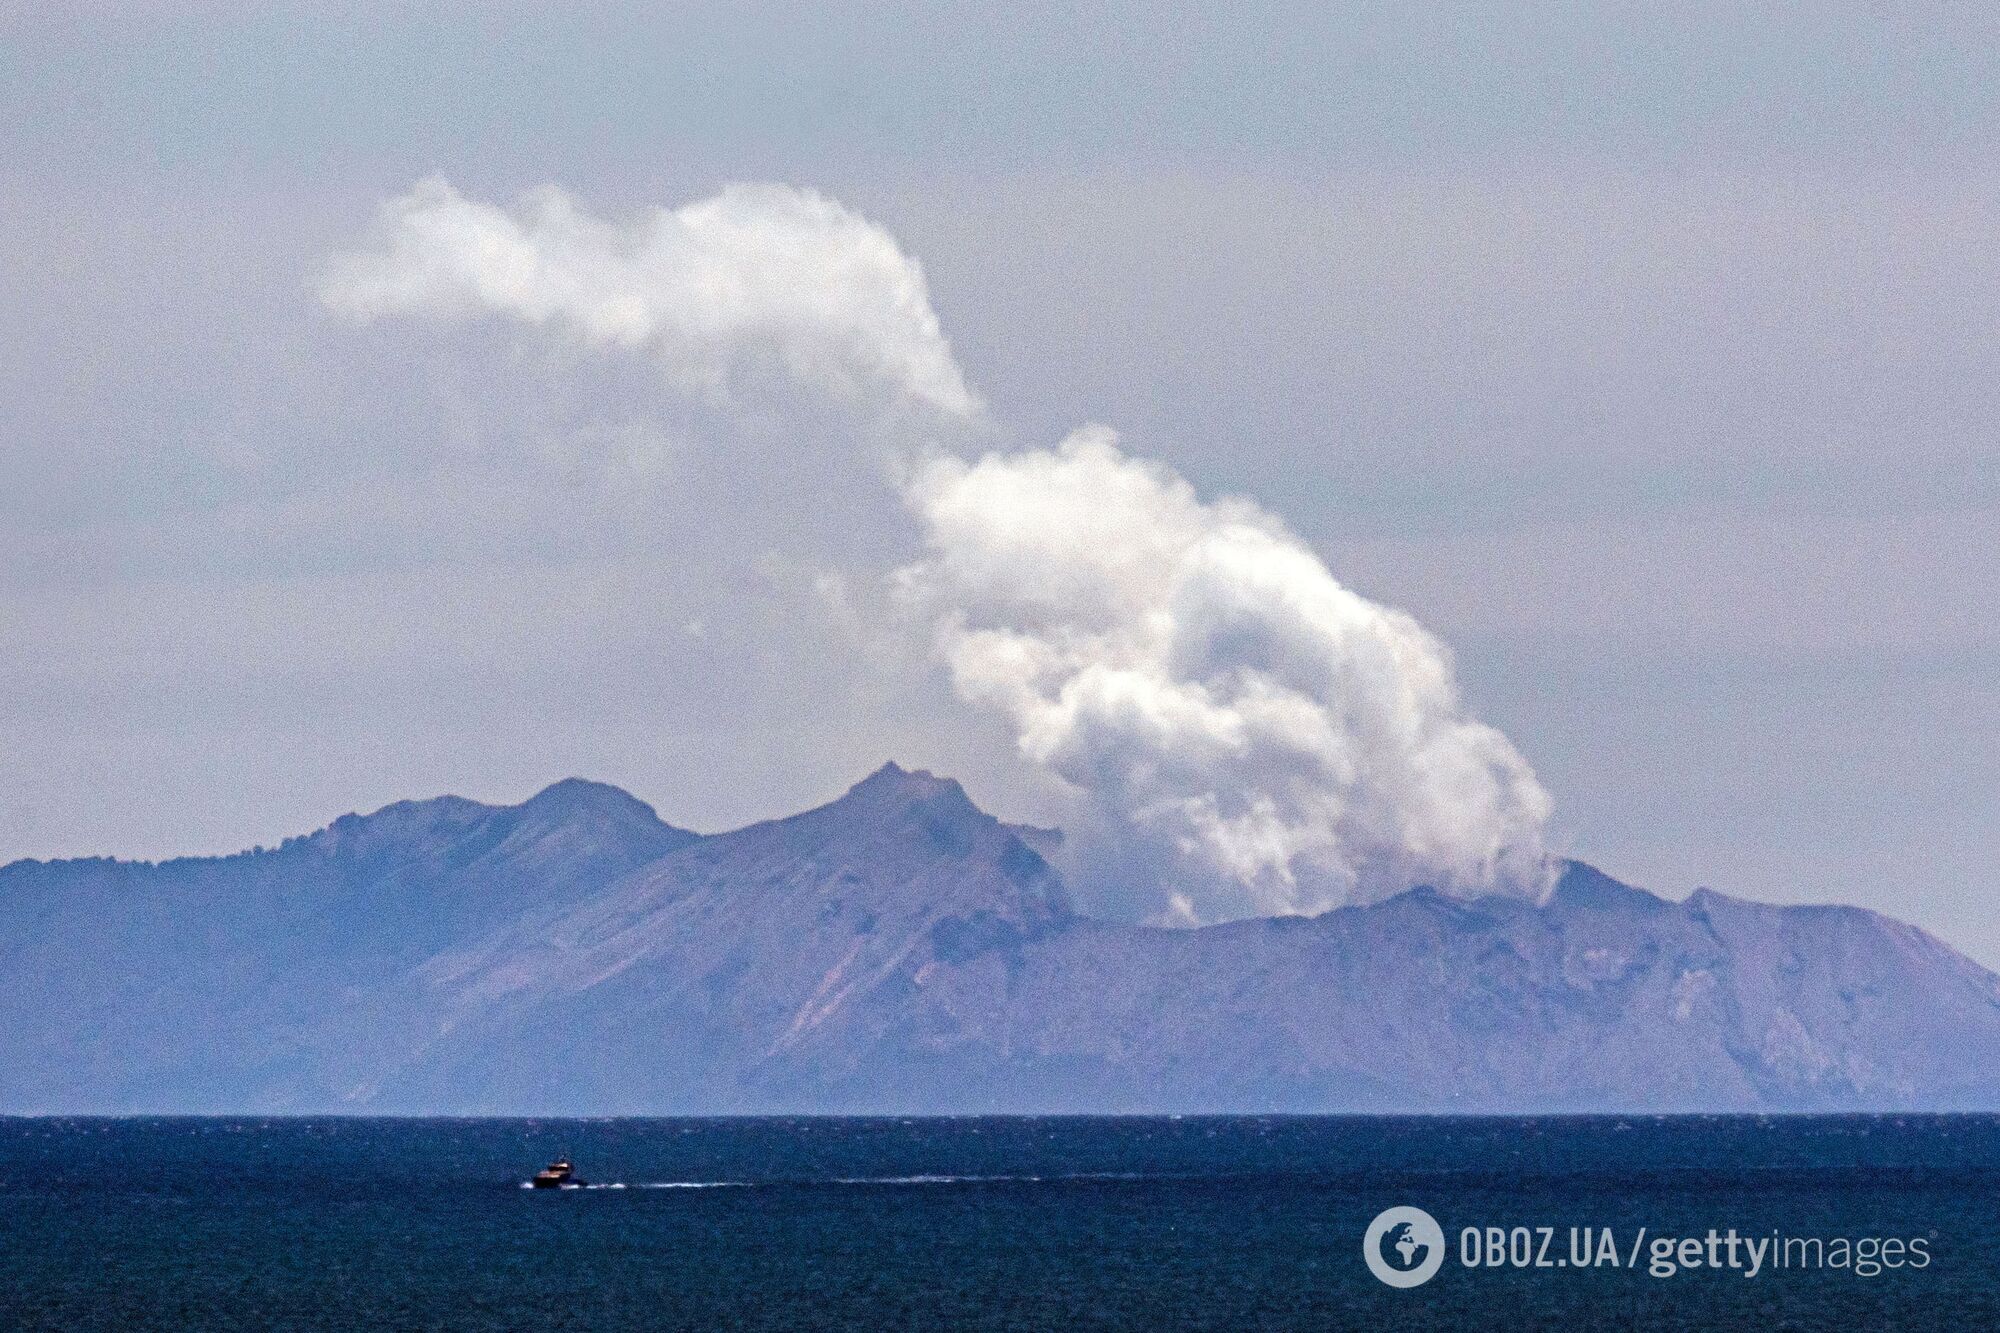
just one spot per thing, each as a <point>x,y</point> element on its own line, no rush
<point>1005,1223</point>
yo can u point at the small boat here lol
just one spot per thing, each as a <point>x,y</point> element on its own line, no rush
<point>558,1174</point>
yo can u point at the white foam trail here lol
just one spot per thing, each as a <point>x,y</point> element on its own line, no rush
<point>919,1179</point>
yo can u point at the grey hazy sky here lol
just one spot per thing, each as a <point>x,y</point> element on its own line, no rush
<point>1649,359</point>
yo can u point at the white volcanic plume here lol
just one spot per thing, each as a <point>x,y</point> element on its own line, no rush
<point>1258,738</point>
<point>756,269</point>
<point>1246,735</point>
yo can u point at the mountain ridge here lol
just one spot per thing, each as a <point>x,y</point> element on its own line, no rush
<point>900,950</point>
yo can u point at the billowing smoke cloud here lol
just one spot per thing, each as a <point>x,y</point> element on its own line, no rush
<point>1245,735</point>
<point>1260,739</point>
<point>757,269</point>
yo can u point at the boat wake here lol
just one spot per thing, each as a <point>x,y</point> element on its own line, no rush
<point>926,1179</point>
<point>989,1180</point>
<point>653,1185</point>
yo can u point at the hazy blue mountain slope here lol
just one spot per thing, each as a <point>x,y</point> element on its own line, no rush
<point>214,981</point>
<point>899,950</point>
<point>696,981</point>
<point>1599,999</point>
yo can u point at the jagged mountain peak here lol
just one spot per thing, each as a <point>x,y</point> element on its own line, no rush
<point>913,836</point>
<point>414,829</point>
<point>583,793</point>
<point>599,805</point>
<point>398,827</point>
<point>1585,887</point>
<point>892,784</point>
<point>877,817</point>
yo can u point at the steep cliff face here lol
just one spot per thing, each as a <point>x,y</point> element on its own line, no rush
<point>899,950</point>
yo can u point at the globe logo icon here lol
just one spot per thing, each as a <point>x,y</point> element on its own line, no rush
<point>1404,1247</point>
<point>1409,1250</point>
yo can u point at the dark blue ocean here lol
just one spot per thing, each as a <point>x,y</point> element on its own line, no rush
<point>1006,1223</point>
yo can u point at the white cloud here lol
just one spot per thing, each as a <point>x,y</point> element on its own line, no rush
<point>1250,736</point>
<point>755,270</point>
